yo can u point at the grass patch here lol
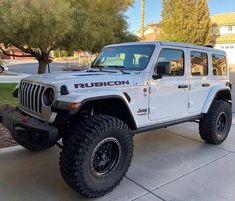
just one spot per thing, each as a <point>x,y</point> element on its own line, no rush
<point>6,97</point>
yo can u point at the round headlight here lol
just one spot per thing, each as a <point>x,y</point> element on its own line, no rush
<point>48,97</point>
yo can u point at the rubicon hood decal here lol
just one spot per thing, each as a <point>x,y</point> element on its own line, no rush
<point>101,84</point>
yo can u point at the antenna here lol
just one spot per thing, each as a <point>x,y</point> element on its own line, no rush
<point>49,70</point>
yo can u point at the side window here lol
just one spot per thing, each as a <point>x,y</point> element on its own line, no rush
<point>170,62</point>
<point>219,65</point>
<point>199,64</point>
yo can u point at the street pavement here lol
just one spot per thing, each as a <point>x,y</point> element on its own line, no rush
<point>32,68</point>
<point>169,164</point>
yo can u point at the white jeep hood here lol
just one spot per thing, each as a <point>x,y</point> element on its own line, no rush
<point>84,80</point>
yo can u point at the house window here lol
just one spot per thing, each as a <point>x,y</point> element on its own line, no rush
<point>231,47</point>
<point>199,64</point>
<point>230,28</point>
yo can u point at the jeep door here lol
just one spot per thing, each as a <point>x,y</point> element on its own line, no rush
<point>169,86</point>
<point>199,82</point>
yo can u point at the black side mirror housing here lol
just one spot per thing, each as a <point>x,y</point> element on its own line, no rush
<point>157,76</point>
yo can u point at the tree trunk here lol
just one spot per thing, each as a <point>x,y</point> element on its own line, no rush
<point>42,66</point>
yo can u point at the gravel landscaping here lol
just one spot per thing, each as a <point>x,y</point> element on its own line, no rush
<point>5,138</point>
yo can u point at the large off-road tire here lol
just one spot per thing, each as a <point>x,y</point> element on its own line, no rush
<point>32,142</point>
<point>215,125</point>
<point>96,155</point>
<point>1,69</point>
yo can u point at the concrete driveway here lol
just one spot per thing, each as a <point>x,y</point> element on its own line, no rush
<point>168,164</point>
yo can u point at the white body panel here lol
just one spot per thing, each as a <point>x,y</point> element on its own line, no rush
<point>168,102</point>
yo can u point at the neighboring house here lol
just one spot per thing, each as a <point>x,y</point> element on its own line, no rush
<point>13,51</point>
<point>151,32</point>
<point>226,34</point>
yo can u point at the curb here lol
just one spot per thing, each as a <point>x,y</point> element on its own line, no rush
<point>12,148</point>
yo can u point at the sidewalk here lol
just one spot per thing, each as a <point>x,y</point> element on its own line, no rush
<point>19,61</point>
<point>13,78</point>
<point>168,164</point>
<point>28,61</point>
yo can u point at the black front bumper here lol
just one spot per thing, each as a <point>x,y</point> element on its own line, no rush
<point>15,122</point>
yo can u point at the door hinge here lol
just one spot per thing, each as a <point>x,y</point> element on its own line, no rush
<point>189,104</point>
<point>189,86</point>
<point>150,90</point>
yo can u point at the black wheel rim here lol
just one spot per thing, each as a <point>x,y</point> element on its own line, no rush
<point>105,157</point>
<point>220,123</point>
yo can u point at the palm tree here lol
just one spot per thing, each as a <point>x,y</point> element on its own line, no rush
<point>142,19</point>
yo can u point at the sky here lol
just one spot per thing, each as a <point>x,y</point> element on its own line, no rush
<point>153,11</point>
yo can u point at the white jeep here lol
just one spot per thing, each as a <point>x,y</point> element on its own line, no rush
<point>130,88</point>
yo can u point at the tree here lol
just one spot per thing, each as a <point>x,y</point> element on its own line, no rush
<point>99,23</point>
<point>38,27</point>
<point>142,19</point>
<point>35,27</point>
<point>214,33</point>
<point>186,21</point>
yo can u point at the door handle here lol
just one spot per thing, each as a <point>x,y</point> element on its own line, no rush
<point>182,86</point>
<point>205,85</point>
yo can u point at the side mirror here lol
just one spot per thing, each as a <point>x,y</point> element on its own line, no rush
<point>156,76</point>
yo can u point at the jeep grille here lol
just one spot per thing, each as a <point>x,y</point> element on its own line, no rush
<point>31,97</point>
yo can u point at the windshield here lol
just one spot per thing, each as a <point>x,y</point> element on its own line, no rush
<point>130,57</point>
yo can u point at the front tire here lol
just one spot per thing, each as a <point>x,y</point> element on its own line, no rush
<point>96,155</point>
<point>215,125</point>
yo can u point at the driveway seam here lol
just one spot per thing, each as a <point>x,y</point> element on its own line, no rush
<point>182,136</point>
<point>193,170</point>
<point>148,191</point>
<point>171,132</point>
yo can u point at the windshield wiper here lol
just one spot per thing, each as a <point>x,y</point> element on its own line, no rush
<point>119,68</point>
<point>99,67</point>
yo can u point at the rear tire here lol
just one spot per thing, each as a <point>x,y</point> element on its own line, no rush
<point>96,155</point>
<point>215,125</point>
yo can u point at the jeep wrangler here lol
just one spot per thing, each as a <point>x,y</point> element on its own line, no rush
<point>129,88</point>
